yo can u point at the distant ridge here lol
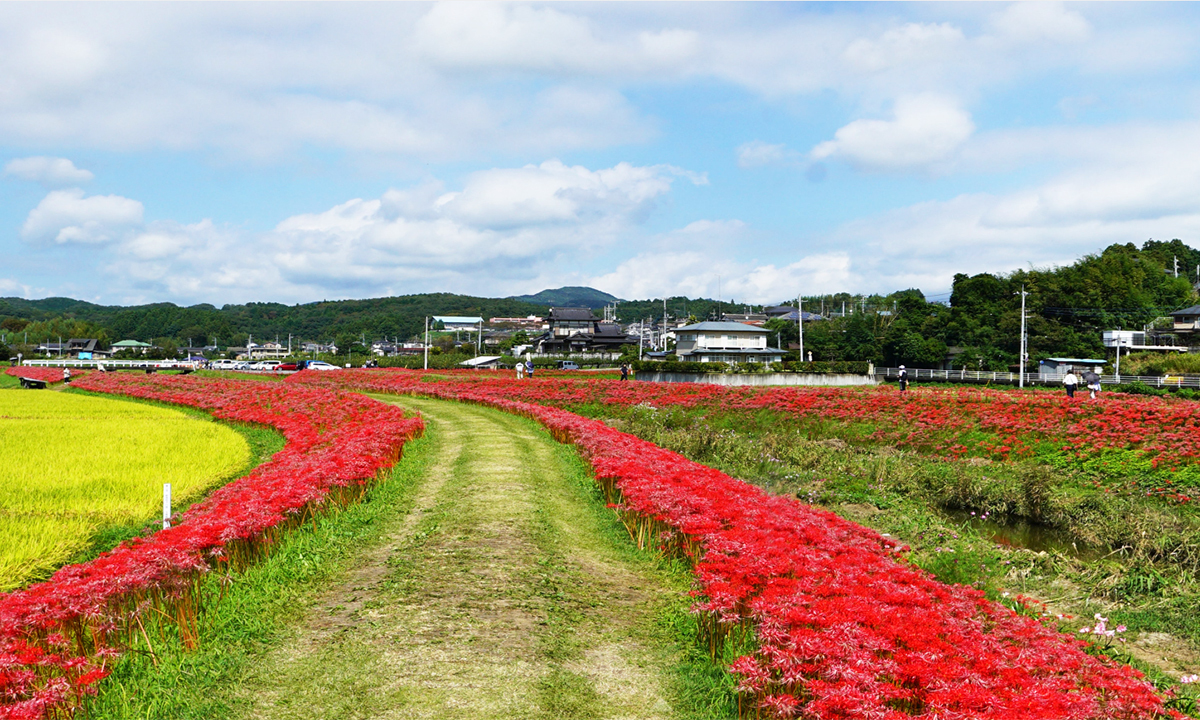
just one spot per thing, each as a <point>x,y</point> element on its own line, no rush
<point>569,297</point>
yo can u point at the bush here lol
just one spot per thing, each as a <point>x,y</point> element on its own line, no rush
<point>853,367</point>
<point>675,366</point>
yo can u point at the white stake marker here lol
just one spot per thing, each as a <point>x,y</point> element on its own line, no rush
<point>166,505</point>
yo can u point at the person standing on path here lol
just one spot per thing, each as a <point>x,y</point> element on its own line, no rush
<point>624,371</point>
<point>67,375</point>
<point>1070,382</point>
<point>520,370</point>
<point>529,368</point>
<point>903,379</point>
<point>1092,380</point>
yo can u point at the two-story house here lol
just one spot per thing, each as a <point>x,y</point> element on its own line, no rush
<point>574,329</point>
<point>724,342</point>
<point>1187,320</point>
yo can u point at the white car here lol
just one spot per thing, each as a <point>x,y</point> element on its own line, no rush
<point>265,365</point>
<point>226,364</point>
<point>320,365</point>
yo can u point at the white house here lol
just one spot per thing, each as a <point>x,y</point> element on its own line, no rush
<point>724,342</point>
<point>458,322</point>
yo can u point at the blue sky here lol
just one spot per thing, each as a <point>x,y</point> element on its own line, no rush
<point>233,152</point>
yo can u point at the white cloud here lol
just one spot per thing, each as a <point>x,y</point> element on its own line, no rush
<point>757,153</point>
<point>495,36</point>
<point>68,216</point>
<point>48,171</point>
<point>504,229</point>
<point>1041,22</point>
<point>910,43</point>
<point>925,129</point>
<point>12,288</point>
<point>696,273</point>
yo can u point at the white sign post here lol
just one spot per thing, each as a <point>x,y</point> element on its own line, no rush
<point>166,505</point>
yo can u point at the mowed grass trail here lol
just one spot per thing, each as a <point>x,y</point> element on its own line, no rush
<point>505,592</point>
<point>73,465</point>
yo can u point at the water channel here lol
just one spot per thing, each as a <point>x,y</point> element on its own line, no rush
<point>1019,533</point>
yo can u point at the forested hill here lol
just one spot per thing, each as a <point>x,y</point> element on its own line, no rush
<point>569,297</point>
<point>391,317</point>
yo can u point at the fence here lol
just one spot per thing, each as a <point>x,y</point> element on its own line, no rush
<point>66,362</point>
<point>975,376</point>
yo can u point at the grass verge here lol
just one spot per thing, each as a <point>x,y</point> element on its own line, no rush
<point>250,612</point>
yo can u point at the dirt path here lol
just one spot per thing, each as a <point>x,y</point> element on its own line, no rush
<point>502,594</point>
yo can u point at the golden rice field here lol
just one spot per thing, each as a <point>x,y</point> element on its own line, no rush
<point>71,465</point>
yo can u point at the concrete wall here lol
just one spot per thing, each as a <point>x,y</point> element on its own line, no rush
<point>759,379</point>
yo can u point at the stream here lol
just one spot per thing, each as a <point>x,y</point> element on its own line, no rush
<point>1019,533</point>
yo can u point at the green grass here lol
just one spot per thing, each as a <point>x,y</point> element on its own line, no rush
<point>252,624</point>
<point>1152,585</point>
<point>253,612</point>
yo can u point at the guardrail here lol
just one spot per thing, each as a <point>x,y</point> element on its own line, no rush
<point>157,364</point>
<point>976,376</point>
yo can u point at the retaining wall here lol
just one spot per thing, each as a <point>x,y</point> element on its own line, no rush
<point>760,379</point>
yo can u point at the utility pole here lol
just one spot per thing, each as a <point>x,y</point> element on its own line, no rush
<point>289,344</point>
<point>426,342</point>
<point>718,317</point>
<point>1021,360</point>
<point>479,340</point>
<point>1175,258</point>
<point>1117,342</point>
<point>641,332</point>
<point>800,323</point>
<point>664,325</point>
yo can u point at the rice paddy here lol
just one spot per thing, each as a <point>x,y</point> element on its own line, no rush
<point>73,465</point>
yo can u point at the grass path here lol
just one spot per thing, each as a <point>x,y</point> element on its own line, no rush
<point>504,592</point>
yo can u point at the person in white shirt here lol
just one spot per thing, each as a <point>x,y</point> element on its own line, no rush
<point>1070,382</point>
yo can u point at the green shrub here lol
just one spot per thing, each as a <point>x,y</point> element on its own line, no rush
<point>674,366</point>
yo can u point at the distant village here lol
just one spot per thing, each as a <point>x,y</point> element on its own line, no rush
<point>564,331</point>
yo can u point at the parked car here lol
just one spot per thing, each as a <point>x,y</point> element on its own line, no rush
<point>265,365</point>
<point>567,365</point>
<point>286,367</point>
<point>319,365</point>
<point>227,364</point>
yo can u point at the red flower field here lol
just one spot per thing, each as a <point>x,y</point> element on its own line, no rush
<point>845,628</point>
<point>57,638</point>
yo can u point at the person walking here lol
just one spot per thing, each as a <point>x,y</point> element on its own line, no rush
<point>624,371</point>
<point>1070,382</point>
<point>67,375</point>
<point>903,379</point>
<point>529,368</point>
<point>1092,380</point>
<point>520,370</point>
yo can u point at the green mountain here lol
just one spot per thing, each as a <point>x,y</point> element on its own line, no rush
<point>569,297</point>
<point>392,317</point>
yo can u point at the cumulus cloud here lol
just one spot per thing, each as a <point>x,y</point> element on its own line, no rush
<point>1041,21</point>
<point>49,171</point>
<point>12,288</point>
<point>665,273</point>
<point>544,39</point>
<point>505,227</point>
<point>910,43</point>
<point>68,216</point>
<point>925,129</point>
<point>757,153</point>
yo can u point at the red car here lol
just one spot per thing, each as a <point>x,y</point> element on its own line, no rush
<point>285,367</point>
